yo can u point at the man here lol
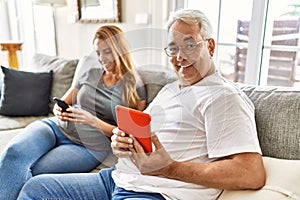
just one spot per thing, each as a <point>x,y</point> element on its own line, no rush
<point>204,142</point>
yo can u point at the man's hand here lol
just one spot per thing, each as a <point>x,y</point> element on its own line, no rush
<point>120,143</point>
<point>156,163</point>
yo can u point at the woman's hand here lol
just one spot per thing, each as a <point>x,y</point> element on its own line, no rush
<point>80,116</point>
<point>120,143</point>
<point>157,163</point>
<point>83,117</point>
<point>76,115</point>
<point>57,111</point>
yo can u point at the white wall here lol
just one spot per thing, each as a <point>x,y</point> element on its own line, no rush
<point>147,40</point>
<point>74,39</point>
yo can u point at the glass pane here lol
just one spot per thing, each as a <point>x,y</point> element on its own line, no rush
<point>231,40</point>
<point>226,63</point>
<point>44,30</point>
<point>229,20</point>
<point>210,10</point>
<point>280,63</point>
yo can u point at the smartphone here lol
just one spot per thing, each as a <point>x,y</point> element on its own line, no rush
<point>61,103</point>
<point>136,123</point>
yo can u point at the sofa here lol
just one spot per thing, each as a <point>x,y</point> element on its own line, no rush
<point>277,118</point>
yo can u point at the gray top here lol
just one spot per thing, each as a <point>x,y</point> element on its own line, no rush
<point>98,99</point>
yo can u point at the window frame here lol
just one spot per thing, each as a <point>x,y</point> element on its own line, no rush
<point>255,71</point>
<point>255,44</point>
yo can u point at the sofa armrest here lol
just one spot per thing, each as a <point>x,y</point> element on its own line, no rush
<point>283,182</point>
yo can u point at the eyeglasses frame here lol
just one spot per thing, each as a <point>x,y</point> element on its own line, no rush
<point>179,47</point>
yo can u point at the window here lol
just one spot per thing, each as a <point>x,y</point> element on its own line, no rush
<point>44,29</point>
<point>33,25</point>
<point>281,44</point>
<point>258,42</point>
<point>9,27</point>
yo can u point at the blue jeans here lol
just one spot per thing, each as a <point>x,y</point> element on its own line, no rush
<point>85,186</point>
<point>41,148</point>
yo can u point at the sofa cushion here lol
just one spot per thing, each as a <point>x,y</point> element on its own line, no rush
<point>283,181</point>
<point>277,111</point>
<point>9,123</point>
<point>25,93</point>
<point>63,72</point>
<point>6,136</point>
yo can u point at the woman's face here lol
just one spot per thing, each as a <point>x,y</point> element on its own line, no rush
<point>105,55</point>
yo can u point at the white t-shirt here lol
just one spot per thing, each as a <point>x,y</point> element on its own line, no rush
<point>200,123</point>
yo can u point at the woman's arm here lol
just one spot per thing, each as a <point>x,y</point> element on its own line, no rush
<point>141,104</point>
<point>70,95</point>
<point>84,117</point>
<point>107,128</point>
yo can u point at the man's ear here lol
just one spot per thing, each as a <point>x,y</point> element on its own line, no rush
<point>211,46</point>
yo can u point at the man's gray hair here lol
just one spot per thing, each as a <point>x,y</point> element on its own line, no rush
<point>191,16</point>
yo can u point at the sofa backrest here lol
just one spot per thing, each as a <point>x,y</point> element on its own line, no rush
<point>63,72</point>
<point>277,115</point>
<point>85,64</point>
<point>154,78</point>
<point>277,111</point>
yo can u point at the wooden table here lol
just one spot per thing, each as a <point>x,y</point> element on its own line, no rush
<point>12,48</point>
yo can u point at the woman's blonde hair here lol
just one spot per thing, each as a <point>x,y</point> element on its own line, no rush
<point>114,38</point>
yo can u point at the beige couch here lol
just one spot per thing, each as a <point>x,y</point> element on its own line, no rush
<point>277,118</point>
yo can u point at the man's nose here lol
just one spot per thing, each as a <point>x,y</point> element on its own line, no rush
<point>180,55</point>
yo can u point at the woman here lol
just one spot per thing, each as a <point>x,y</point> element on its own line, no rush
<point>79,139</point>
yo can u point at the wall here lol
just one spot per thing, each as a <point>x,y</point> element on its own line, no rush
<point>147,40</point>
<point>74,39</point>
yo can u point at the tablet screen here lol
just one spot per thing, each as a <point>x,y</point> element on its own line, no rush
<point>136,123</point>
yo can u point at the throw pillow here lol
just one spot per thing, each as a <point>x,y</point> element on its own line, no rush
<point>25,93</point>
<point>63,72</point>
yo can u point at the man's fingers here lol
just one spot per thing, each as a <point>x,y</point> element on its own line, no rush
<point>120,142</point>
<point>122,154</point>
<point>137,145</point>
<point>156,141</point>
<point>117,131</point>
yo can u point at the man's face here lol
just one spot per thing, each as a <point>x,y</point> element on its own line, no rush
<point>191,59</point>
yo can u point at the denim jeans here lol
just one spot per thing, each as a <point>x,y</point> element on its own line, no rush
<point>84,186</point>
<point>41,148</point>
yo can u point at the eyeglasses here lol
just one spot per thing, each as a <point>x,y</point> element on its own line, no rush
<point>188,48</point>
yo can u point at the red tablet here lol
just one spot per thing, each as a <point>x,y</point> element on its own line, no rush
<point>136,123</point>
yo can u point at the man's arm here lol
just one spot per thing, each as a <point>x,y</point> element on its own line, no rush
<point>238,171</point>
